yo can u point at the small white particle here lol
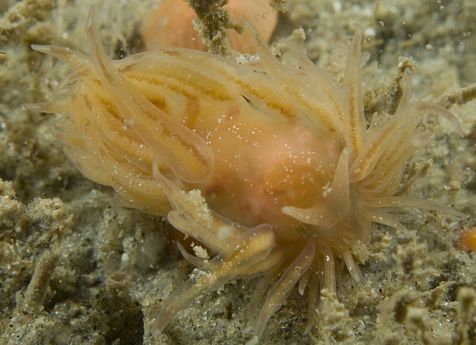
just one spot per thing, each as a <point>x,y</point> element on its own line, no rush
<point>224,232</point>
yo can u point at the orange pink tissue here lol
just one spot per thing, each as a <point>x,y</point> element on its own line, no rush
<point>170,25</point>
<point>270,164</point>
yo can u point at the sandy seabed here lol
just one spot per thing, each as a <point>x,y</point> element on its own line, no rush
<point>76,267</point>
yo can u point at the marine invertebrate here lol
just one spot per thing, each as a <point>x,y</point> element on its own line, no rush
<point>174,16</point>
<point>468,239</point>
<point>269,164</point>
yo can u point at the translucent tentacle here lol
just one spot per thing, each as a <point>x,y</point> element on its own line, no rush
<point>408,202</point>
<point>389,133</point>
<point>303,282</point>
<point>446,114</point>
<point>202,264</point>
<point>274,260</point>
<point>258,295</point>
<point>382,217</point>
<point>329,270</point>
<point>283,287</point>
<point>255,247</point>
<point>352,267</point>
<point>355,121</point>
<point>313,299</point>
<point>172,141</point>
<point>317,107</point>
<point>190,215</point>
<point>46,107</point>
<point>76,59</point>
<point>134,187</point>
<point>336,205</point>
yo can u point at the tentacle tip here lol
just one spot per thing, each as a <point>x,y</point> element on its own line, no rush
<point>262,47</point>
<point>443,112</point>
<point>253,340</point>
<point>35,107</point>
<point>247,26</point>
<point>357,38</point>
<point>49,107</point>
<point>287,210</point>
<point>308,328</point>
<point>41,48</point>
<point>251,334</point>
<point>157,330</point>
<point>159,324</point>
<point>42,107</point>
<point>90,18</point>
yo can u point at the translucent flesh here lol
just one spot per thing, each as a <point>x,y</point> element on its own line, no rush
<point>269,164</point>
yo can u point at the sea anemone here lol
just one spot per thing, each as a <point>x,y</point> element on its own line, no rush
<point>270,164</point>
<point>170,25</point>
